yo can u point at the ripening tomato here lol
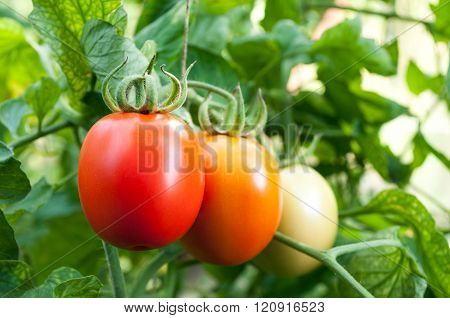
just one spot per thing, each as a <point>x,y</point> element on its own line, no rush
<point>241,207</point>
<point>310,216</point>
<point>140,180</point>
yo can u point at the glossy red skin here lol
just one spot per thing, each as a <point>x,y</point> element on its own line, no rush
<point>241,209</point>
<point>128,203</point>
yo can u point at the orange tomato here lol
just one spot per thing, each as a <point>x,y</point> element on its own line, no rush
<point>241,207</point>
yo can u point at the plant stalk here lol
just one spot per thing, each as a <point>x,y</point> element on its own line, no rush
<point>327,259</point>
<point>164,256</point>
<point>387,15</point>
<point>351,248</point>
<point>231,110</point>
<point>117,279</point>
<point>185,38</point>
<point>43,132</point>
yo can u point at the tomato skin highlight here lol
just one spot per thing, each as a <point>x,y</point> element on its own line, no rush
<point>310,215</point>
<point>241,207</point>
<point>140,180</point>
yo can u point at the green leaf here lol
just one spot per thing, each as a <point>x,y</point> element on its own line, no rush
<point>267,59</point>
<point>419,82</point>
<point>221,6</point>
<point>383,160</point>
<point>393,50</point>
<point>167,32</point>
<point>420,151</point>
<point>212,69</point>
<point>59,204</point>
<point>39,195</point>
<point>85,287</point>
<point>119,18</point>
<point>375,108</point>
<point>447,86</point>
<point>42,96</point>
<point>442,158</point>
<point>423,148</point>
<point>385,272</point>
<point>258,58</point>
<point>94,109</point>
<point>14,184</point>
<point>105,49</point>
<point>338,92</point>
<point>12,112</point>
<point>61,23</point>
<point>64,233</point>
<point>19,63</point>
<point>295,46</point>
<point>66,282</point>
<point>432,244</point>
<point>441,27</point>
<point>207,39</point>
<point>240,21</point>
<point>278,10</point>
<point>55,278</point>
<point>152,10</point>
<point>8,245</point>
<point>209,33</point>
<point>15,278</point>
<point>342,52</point>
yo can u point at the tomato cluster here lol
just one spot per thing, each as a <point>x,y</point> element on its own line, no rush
<point>147,180</point>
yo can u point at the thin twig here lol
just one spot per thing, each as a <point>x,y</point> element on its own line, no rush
<point>43,132</point>
<point>355,247</point>
<point>117,279</point>
<point>76,136</point>
<point>165,256</point>
<point>185,38</point>
<point>387,15</point>
<point>327,259</point>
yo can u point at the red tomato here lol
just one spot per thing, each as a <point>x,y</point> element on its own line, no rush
<point>241,207</point>
<point>140,180</point>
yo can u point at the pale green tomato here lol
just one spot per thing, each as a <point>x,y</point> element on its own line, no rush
<point>310,216</point>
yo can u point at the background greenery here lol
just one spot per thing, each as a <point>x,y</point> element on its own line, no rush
<point>343,77</point>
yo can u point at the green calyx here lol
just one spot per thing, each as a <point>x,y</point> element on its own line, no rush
<point>232,119</point>
<point>140,93</point>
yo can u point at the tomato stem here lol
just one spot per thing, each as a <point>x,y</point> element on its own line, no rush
<point>179,91</point>
<point>260,120</point>
<point>204,118</point>
<point>185,37</point>
<point>107,97</point>
<point>230,113</point>
<point>115,271</point>
<point>41,133</point>
<point>351,248</point>
<point>197,99</point>
<point>327,259</point>
<point>163,257</point>
<point>234,121</point>
<point>239,122</point>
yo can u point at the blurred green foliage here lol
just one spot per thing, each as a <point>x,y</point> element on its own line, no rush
<point>51,68</point>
